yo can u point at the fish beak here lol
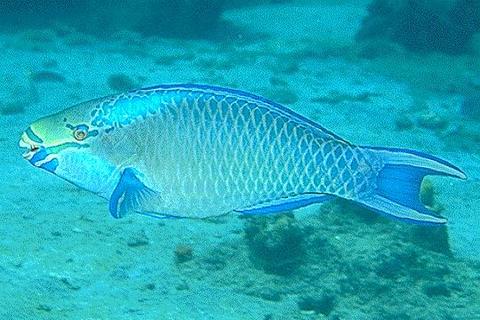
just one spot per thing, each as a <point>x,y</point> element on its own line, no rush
<point>30,146</point>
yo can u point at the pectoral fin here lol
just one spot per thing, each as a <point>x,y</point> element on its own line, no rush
<point>129,195</point>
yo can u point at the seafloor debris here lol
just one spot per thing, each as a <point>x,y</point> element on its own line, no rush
<point>275,243</point>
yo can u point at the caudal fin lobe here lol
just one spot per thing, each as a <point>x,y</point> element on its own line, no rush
<point>398,184</point>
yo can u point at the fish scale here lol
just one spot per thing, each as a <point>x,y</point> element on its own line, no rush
<point>250,163</point>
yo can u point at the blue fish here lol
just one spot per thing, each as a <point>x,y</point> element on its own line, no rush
<point>200,151</point>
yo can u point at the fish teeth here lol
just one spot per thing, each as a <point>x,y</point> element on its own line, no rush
<point>30,147</point>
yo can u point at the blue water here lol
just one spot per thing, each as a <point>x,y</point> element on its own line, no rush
<point>352,66</point>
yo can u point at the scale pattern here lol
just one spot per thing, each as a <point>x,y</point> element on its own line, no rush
<point>214,150</point>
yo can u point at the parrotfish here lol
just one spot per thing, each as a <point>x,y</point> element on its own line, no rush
<point>201,151</point>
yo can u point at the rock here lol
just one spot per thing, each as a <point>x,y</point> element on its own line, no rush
<point>319,303</point>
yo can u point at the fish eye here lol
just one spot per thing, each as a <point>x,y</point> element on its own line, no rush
<point>80,134</point>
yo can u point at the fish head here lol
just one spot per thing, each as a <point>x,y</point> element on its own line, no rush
<point>63,144</point>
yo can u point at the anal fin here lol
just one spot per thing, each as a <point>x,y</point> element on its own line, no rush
<point>286,204</point>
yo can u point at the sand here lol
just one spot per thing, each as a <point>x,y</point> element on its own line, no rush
<point>63,257</point>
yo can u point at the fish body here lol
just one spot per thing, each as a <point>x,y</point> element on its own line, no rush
<point>200,151</point>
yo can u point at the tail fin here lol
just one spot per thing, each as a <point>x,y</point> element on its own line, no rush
<point>398,184</point>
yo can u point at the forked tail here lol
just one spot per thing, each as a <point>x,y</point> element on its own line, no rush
<point>398,184</point>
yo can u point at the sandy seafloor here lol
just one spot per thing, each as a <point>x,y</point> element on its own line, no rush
<point>63,257</point>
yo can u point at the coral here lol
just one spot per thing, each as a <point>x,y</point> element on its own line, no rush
<point>427,195</point>
<point>421,25</point>
<point>275,243</point>
<point>183,253</point>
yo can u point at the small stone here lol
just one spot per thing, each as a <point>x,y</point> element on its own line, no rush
<point>319,304</point>
<point>50,63</point>
<point>270,294</point>
<point>183,253</point>
<point>44,307</point>
<point>402,122</point>
<point>12,108</point>
<point>182,286</point>
<point>77,230</point>
<point>139,240</point>
<point>69,283</point>
<point>470,106</point>
<point>436,289</point>
<point>275,81</point>
<point>166,60</point>
<point>47,76</point>
<point>150,286</point>
<point>282,95</point>
<point>120,82</point>
<point>432,121</point>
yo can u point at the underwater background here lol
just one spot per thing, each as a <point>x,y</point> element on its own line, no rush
<point>376,72</point>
